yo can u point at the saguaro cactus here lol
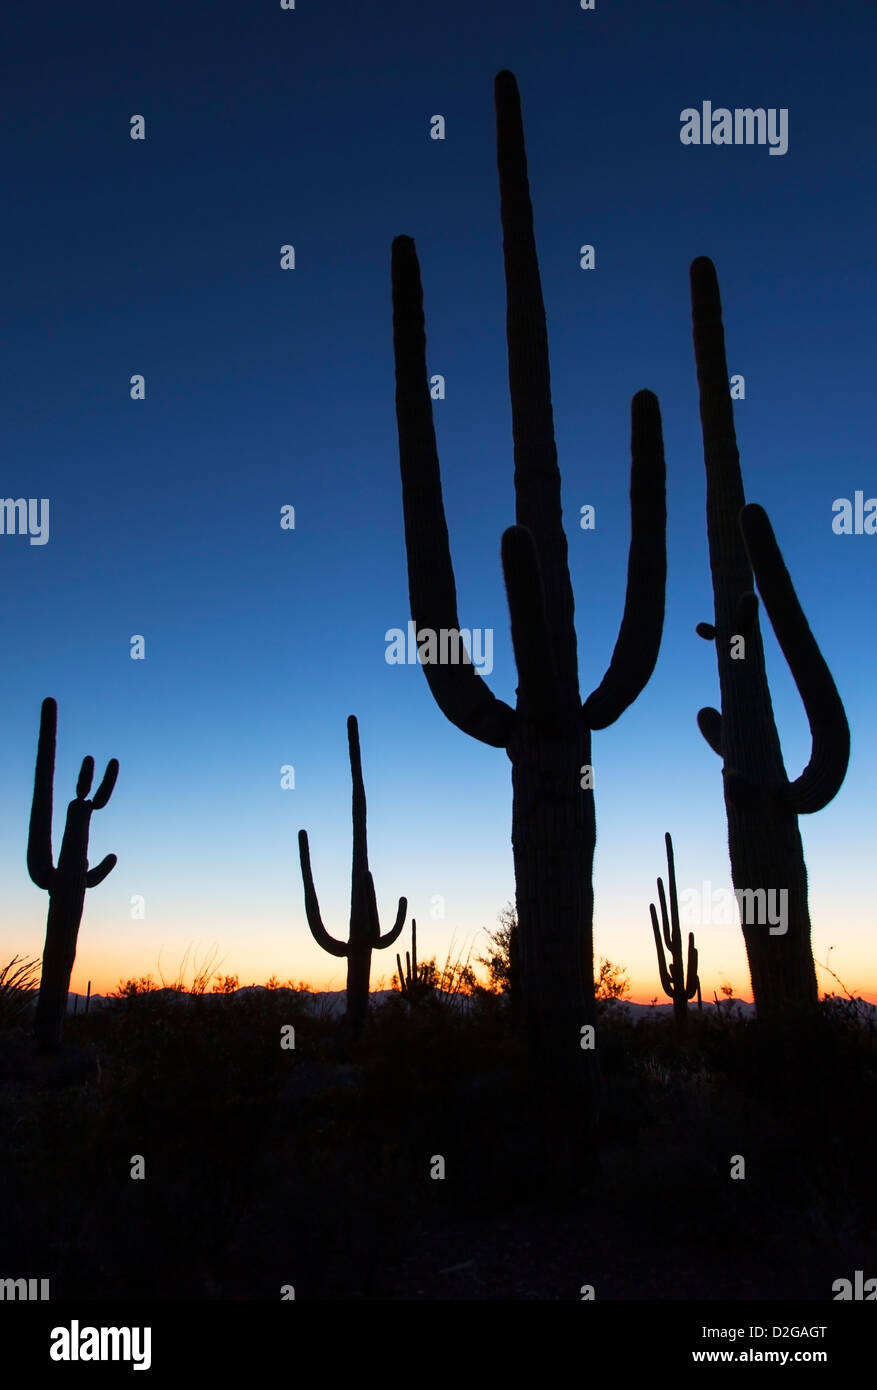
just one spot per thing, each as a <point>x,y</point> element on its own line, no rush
<point>365,930</point>
<point>547,736</point>
<point>762,804</point>
<point>416,982</point>
<point>678,984</point>
<point>67,883</point>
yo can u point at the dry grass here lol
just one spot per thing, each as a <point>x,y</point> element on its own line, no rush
<point>19,982</point>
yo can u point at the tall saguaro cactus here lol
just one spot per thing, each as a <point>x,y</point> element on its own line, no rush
<point>365,929</point>
<point>547,736</point>
<point>67,883</point>
<point>679,983</point>
<point>762,804</point>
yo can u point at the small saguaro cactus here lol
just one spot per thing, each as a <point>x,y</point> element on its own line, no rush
<point>67,883</point>
<point>678,984</point>
<point>365,930</point>
<point>418,981</point>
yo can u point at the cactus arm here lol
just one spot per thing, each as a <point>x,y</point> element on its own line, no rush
<point>692,981</point>
<point>639,637</point>
<point>709,721</point>
<point>108,782</point>
<point>380,942</point>
<point>100,871</point>
<point>85,779</point>
<point>396,930</point>
<point>39,840</point>
<point>312,906</point>
<point>822,777</point>
<point>538,687</point>
<point>460,693</point>
<point>707,631</point>
<point>745,612</point>
<point>665,917</point>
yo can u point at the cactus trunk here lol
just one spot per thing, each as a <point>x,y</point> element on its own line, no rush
<point>359,966</point>
<point>59,955</point>
<point>553,840</point>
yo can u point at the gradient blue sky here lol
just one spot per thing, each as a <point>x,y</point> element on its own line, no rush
<point>265,387</point>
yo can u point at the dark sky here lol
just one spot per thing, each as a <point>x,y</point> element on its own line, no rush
<point>264,387</point>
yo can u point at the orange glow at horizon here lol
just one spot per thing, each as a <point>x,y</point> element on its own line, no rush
<point>106,978</point>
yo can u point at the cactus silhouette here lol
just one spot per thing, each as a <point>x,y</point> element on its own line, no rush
<point>547,736</point>
<point>67,883</point>
<point>762,804</point>
<point>678,983</point>
<point>365,930</point>
<point>416,982</point>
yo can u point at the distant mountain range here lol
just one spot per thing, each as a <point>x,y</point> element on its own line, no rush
<point>333,1002</point>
